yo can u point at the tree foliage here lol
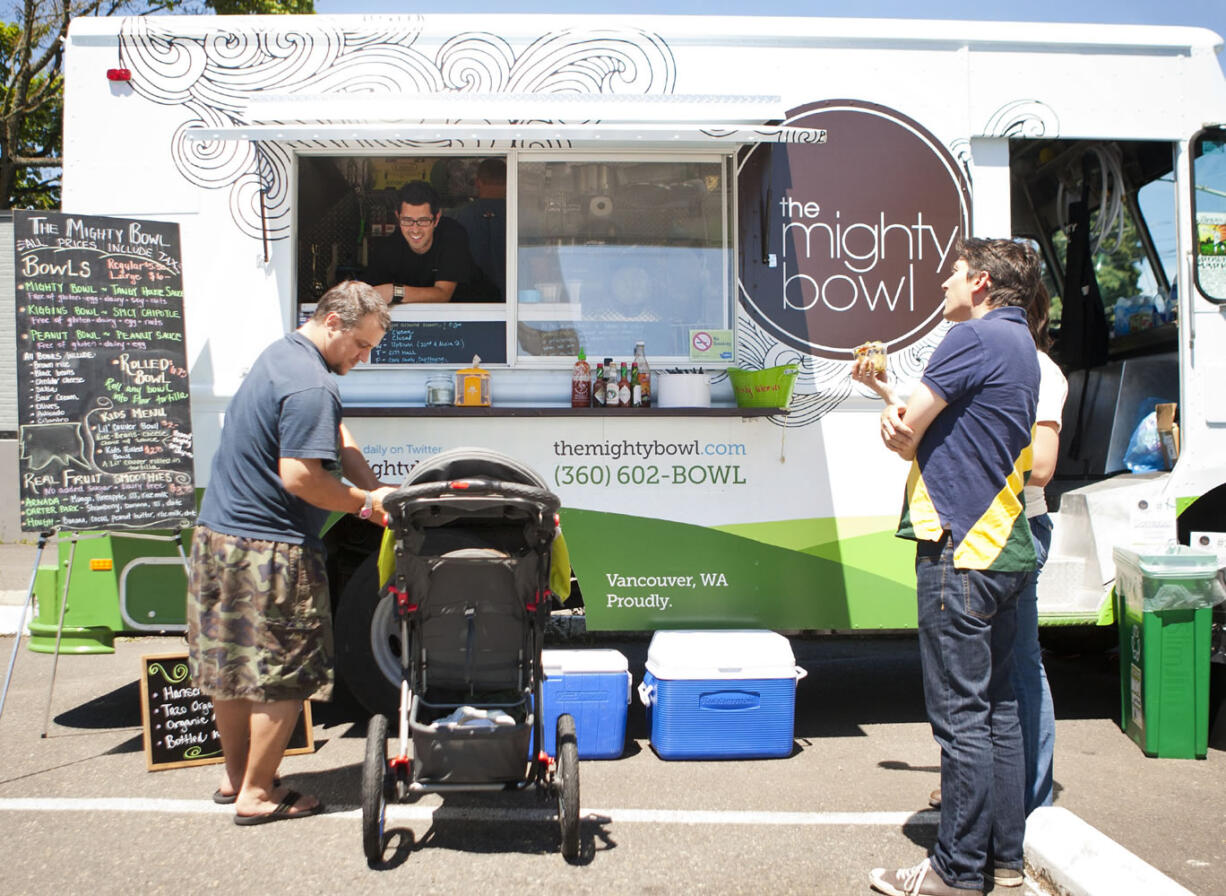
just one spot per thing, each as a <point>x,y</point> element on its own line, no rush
<point>30,126</point>
<point>32,84</point>
<point>1117,264</point>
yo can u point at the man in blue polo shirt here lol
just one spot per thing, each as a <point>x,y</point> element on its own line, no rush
<point>258,612</point>
<point>967,429</point>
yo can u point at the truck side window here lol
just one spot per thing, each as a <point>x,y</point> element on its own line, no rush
<point>612,251</point>
<point>1209,212</point>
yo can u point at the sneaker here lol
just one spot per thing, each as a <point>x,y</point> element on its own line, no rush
<point>934,798</point>
<point>918,881</point>
<point>1008,877</point>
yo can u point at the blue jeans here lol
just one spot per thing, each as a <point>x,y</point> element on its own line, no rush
<point>967,626</point>
<point>1034,704</point>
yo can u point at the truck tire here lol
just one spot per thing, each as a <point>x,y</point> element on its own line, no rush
<point>367,636</point>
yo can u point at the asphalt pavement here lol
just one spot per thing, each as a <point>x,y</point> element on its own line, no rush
<point>16,570</point>
<point>79,810</point>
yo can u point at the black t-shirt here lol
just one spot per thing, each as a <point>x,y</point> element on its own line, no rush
<point>485,221</point>
<point>393,261</point>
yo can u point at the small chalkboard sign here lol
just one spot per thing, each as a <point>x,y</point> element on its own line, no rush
<point>442,342</point>
<point>178,720</point>
<point>104,418</point>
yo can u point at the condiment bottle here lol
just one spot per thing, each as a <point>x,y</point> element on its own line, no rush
<point>623,388</point>
<point>640,358</point>
<point>610,384</point>
<point>636,387</point>
<point>581,382</point>
<point>598,393</point>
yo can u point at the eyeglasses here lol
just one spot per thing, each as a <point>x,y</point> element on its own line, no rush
<point>416,222</point>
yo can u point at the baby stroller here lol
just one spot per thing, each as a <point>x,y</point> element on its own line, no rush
<point>472,531</point>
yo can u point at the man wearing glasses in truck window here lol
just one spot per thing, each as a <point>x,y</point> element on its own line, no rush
<point>426,259</point>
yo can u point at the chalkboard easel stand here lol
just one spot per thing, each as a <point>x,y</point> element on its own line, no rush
<point>72,551</point>
<point>43,538</point>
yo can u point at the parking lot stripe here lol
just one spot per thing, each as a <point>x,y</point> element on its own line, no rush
<point>677,816</point>
<point>398,812</point>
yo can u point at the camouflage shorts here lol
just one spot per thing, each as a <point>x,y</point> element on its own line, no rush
<point>259,620</point>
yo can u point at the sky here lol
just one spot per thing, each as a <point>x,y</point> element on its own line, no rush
<point>1205,13</point>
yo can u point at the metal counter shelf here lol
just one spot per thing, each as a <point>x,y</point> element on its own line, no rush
<point>359,410</point>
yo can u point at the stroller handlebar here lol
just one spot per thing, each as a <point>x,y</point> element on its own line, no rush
<point>472,487</point>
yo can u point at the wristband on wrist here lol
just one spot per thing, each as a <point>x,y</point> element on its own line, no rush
<point>397,295</point>
<point>367,508</point>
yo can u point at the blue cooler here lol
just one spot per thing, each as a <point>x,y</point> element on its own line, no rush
<point>720,694</point>
<point>594,687</point>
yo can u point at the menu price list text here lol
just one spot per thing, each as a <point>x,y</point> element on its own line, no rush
<point>105,418</point>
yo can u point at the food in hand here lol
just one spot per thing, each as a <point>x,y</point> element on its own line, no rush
<point>875,352</point>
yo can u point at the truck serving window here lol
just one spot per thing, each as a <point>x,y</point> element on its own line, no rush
<point>592,252</point>
<point>616,251</point>
<point>347,203</point>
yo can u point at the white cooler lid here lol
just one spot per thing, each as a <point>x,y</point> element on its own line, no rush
<point>574,662</point>
<point>726,654</point>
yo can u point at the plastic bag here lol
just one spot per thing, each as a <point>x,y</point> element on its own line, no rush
<point>1170,577</point>
<point>1189,594</point>
<point>1144,454</point>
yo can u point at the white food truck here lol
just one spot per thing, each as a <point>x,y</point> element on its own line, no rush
<point>733,192</point>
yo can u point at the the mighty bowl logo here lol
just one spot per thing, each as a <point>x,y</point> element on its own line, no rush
<point>850,240</point>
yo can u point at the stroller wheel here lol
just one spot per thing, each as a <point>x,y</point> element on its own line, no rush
<point>374,788</point>
<point>568,785</point>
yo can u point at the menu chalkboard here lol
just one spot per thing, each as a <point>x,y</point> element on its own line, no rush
<point>442,342</point>
<point>178,720</point>
<point>104,421</point>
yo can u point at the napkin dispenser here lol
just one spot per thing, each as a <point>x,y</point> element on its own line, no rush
<point>472,386</point>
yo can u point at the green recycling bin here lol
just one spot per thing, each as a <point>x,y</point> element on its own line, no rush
<point>1165,601</point>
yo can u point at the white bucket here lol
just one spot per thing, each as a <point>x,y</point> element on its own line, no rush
<point>683,390</point>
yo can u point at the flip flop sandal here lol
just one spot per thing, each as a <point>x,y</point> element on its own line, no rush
<point>283,812</point>
<point>228,799</point>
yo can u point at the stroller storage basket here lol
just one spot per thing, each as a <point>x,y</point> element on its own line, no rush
<point>469,755</point>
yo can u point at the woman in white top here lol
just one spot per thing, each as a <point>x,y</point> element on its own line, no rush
<point>1034,703</point>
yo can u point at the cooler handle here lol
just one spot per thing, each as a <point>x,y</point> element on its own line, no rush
<point>629,688</point>
<point>645,691</point>
<point>801,673</point>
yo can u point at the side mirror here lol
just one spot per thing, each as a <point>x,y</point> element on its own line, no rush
<point>1209,212</point>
